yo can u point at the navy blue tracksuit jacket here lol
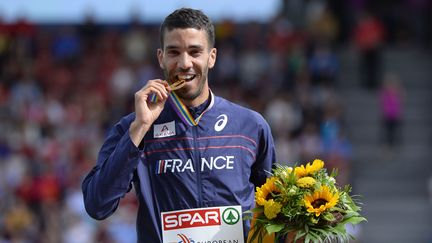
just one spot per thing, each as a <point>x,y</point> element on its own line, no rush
<point>219,162</point>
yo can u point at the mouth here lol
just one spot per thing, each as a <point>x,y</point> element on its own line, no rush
<point>185,77</point>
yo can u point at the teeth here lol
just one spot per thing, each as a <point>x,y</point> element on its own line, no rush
<point>185,77</point>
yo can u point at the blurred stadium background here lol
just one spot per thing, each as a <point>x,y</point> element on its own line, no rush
<point>348,81</point>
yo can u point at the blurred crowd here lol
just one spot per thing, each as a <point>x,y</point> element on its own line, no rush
<point>63,86</point>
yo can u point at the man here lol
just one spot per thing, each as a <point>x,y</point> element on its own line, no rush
<point>198,150</point>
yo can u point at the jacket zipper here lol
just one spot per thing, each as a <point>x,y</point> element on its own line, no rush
<point>197,165</point>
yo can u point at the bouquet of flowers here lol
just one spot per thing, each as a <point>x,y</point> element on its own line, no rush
<point>303,203</point>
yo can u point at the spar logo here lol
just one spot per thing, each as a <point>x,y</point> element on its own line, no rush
<point>185,239</point>
<point>191,218</point>
<point>230,216</point>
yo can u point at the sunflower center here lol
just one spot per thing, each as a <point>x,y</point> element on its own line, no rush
<point>271,195</point>
<point>268,197</point>
<point>318,203</point>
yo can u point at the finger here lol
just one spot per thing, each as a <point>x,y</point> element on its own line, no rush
<point>161,93</point>
<point>157,87</point>
<point>155,83</point>
<point>167,86</point>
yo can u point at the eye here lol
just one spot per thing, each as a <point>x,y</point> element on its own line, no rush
<point>195,53</point>
<point>172,52</point>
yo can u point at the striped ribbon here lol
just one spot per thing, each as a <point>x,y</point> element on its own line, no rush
<point>181,110</point>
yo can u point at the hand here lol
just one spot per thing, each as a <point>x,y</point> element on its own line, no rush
<point>147,112</point>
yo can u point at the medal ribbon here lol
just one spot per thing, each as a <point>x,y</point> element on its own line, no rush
<point>181,110</point>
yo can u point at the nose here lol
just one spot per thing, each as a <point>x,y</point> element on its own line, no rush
<point>185,62</point>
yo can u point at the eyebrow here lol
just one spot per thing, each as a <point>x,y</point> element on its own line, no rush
<point>189,47</point>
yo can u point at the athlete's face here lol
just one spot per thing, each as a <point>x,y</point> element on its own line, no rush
<point>186,54</point>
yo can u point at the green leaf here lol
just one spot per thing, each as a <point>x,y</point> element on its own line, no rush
<point>258,209</point>
<point>299,235</point>
<point>353,220</point>
<point>315,237</point>
<point>340,229</point>
<point>273,228</point>
<point>306,228</point>
<point>322,232</point>
<point>307,239</point>
<point>329,217</point>
<point>338,209</point>
<point>257,232</point>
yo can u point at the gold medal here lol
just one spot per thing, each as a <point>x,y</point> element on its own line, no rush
<point>178,84</point>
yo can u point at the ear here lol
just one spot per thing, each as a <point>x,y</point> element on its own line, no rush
<point>212,58</point>
<point>160,57</point>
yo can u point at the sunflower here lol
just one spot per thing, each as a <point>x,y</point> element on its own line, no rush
<point>272,208</point>
<point>306,182</point>
<point>302,171</point>
<point>321,200</point>
<point>262,193</point>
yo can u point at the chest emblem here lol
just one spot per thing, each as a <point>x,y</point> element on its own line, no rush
<point>164,130</point>
<point>221,122</point>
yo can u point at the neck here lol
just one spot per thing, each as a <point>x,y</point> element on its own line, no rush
<point>200,99</point>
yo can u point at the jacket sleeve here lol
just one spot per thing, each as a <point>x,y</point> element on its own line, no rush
<point>265,157</point>
<point>111,178</point>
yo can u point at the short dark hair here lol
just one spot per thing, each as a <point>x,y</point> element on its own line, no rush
<point>188,18</point>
